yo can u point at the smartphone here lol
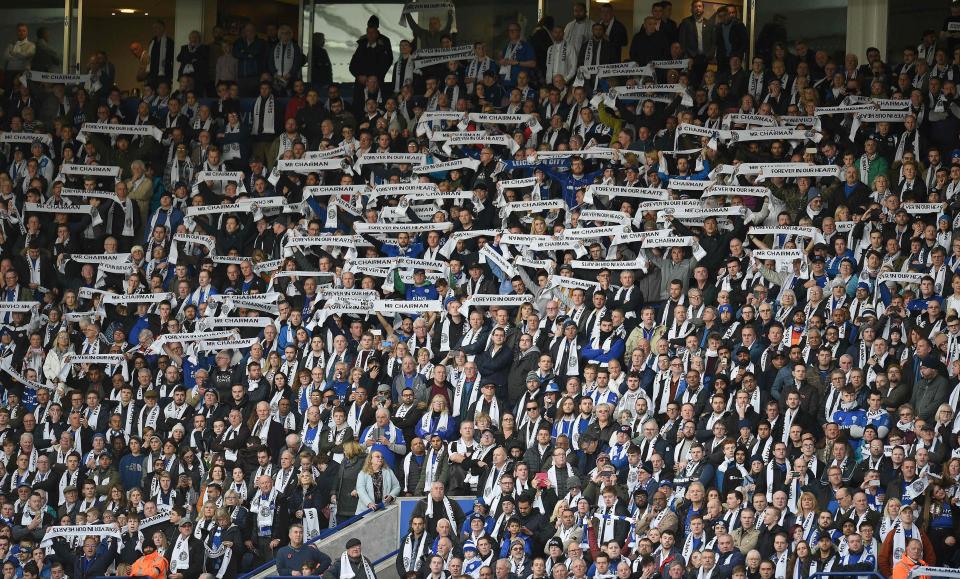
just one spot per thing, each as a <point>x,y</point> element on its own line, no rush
<point>875,482</point>
<point>376,332</point>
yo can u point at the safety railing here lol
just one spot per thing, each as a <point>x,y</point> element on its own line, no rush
<point>322,535</point>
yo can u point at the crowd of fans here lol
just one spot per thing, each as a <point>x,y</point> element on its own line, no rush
<point>662,312</point>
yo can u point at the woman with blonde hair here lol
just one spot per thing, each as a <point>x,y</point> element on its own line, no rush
<point>305,495</point>
<point>890,517</point>
<point>376,485</point>
<point>944,421</point>
<point>53,362</point>
<point>272,365</point>
<point>344,493</point>
<point>437,419</point>
<point>807,510</point>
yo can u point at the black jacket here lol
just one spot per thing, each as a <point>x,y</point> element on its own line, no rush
<point>375,60</point>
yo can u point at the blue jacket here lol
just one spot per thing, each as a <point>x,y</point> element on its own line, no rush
<point>617,348</point>
<point>570,183</point>
<point>131,471</point>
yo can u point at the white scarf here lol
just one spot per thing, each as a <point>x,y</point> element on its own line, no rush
<point>403,72</point>
<point>231,150</point>
<point>756,85</point>
<point>283,56</point>
<point>887,524</point>
<point>475,70</point>
<point>607,523</point>
<point>162,49</point>
<point>180,556</point>
<point>268,119</point>
<point>865,169</point>
<point>413,560</point>
<point>570,366</point>
<point>506,71</point>
<point>557,62</point>
<point>263,508</point>
<point>781,564</point>
<point>346,569</point>
<point>552,475</point>
<point>447,508</point>
<point>443,424</point>
<point>432,465</point>
<point>149,420</point>
<point>900,539</point>
<point>688,545</point>
<point>127,207</point>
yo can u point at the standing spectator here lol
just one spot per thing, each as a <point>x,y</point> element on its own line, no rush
<point>373,56</point>
<point>650,43</point>
<point>542,40</point>
<point>18,55</point>
<point>578,30</point>
<point>194,59</point>
<point>430,36</point>
<point>732,37</point>
<point>697,40</point>
<point>102,75</point>
<point>285,61</point>
<point>265,120</point>
<point>250,52</point>
<point>227,66</point>
<point>517,56</point>
<point>614,30</point>
<point>143,60</point>
<point>322,73</point>
<point>160,51</point>
<point>46,58</point>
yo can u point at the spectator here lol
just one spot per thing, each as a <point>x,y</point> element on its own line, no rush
<point>352,563</point>
<point>160,56</point>
<point>194,59</point>
<point>251,53</point>
<point>18,55</point>
<point>295,555</point>
<point>373,56</point>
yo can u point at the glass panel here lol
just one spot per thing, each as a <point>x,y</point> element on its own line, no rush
<point>41,16</point>
<point>822,24</point>
<point>908,20</point>
<point>343,23</point>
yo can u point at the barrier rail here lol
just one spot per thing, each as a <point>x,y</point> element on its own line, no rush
<point>323,534</point>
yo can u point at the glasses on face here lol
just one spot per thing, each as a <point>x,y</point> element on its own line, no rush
<point>531,408</point>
